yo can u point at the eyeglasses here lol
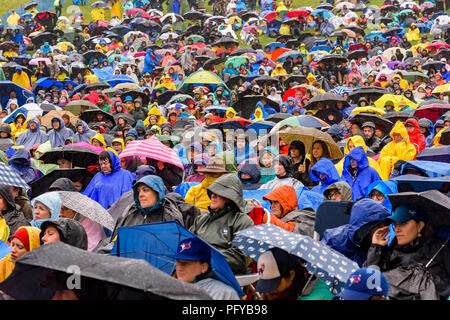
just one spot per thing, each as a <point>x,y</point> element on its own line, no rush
<point>333,194</point>
<point>378,195</point>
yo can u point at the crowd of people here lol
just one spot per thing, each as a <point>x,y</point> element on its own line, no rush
<point>197,118</point>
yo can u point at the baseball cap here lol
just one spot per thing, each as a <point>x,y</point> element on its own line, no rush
<point>272,266</point>
<point>193,249</point>
<point>363,284</point>
<point>404,213</point>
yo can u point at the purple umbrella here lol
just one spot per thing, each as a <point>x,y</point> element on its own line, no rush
<point>393,64</point>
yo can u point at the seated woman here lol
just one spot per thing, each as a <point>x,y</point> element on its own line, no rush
<point>46,207</point>
<point>65,230</point>
<point>283,171</point>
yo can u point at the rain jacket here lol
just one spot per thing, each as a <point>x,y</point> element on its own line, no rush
<point>218,227</point>
<point>12,215</point>
<point>53,203</point>
<point>393,151</point>
<point>17,131</point>
<point>343,188</point>
<point>139,113</point>
<point>149,63</point>
<point>386,188</point>
<point>21,162</point>
<point>259,113</point>
<point>155,111</point>
<point>100,138</point>
<point>168,207</point>
<point>268,174</point>
<point>87,134</point>
<point>252,170</point>
<point>198,195</point>
<point>278,70</point>
<point>70,232</point>
<point>58,137</point>
<point>298,221</point>
<point>359,179</point>
<point>324,166</point>
<point>416,137</point>
<point>32,137</point>
<point>287,179</point>
<point>107,188</point>
<point>358,141</point>
<point>348,239</point>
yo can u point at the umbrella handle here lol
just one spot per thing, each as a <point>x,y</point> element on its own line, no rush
<point>307,282</point>
<point>435,255</point>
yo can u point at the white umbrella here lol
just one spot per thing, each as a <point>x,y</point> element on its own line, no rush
<point>340,5</point>
<point>155,13</point>
<point>35,62</point>
<point>63,18</point>
<point>408,5</point>
<point>166,35</point>
<point>172,18</point>
<point>350,15</point>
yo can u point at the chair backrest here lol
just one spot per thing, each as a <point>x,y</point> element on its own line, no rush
<point>331,214</point>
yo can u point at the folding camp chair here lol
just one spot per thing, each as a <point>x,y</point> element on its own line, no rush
<point>331,214</point>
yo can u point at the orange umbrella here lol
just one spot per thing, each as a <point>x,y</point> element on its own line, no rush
<point>278,52</point>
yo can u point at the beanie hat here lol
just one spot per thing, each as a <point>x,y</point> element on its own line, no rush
<point>22,235</point>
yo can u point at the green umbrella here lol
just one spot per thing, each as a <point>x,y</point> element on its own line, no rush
<point>236,62</point>
<point>412,76</point>
<point>406,12</point>
<point>195,38</point>
<point>75,106</point>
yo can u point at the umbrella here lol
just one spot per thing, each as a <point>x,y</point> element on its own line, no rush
<point>362,117</point>
<point>172,18</point>
<point>293,54</point>
<point>43,37</point>
<point>412,76</point>
<point>42,185</point>
<point>195,38</point>
<point>153,149</point>
<point>5,144</point>
<point>91,116</point>
<point>308,136</point>
<point>340,5</point>
<point>431,111</point>
<point>412,182</point>
<point>246,105</point>
<point>434,203</point>
<point>193,15</point>
<point>367,92</point>
<point>277,117</point>
<point>76,105</point>
<point>126,86</point>
<point>296,13</point>
<point>134,94</point>
<point>127,117</point>
<point>327,98</point>
<point>103,276</point>
<point>87,207</point>
<point>80,157</point>
<point>46,120</point>
<point>261,125</point>
<point>437,45</point>
<point>341,90</point>
<point>322,12</point>
<point>101,4</point>
<point>266,79</point>
<point>236,62</point>
<point>94,54</point>
<point>294,78</point>
<point>338,59</point>
<point>224,41</point>
<point>397,116</point>
<point>167,35</point>
<point>320,259</point>
<point>440,154</point>
<point>28,110</point>
<point>432,64</point>
<point>35,62</point>
<point>156,242</point>
<point>10,177</point>
<point>235,79</point>
<point>30,5</point>
<point>233,124</point>
<point>300,121</point>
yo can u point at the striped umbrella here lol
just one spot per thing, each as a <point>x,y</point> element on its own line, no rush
<point>10,177</point>
<point>153,149</point>
<point>341,90</point>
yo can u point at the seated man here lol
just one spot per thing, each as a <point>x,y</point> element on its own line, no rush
<point>338,191</point>
<point>193,266</point>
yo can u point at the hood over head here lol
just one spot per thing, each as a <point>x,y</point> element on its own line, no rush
<point>70,231</point>
<point>156,184</point>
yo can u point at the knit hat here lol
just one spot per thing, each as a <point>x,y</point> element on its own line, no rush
<point>22,235</point>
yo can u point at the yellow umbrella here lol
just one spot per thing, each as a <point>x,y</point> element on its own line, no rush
<point>445,88</point>
<point>234,19</point>
<point>396,99</point>
<point>64,46</point>
<point>368,109</point>
<point>417,46</point>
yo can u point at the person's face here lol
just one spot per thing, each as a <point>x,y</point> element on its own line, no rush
<point>41,211</point>
<point>117,147</point>
<point>335,195</point>
<point>353,163</point>
<point>277,209</point>
<point>367,132</point>
<point>280,170</point>
<point>285,283</point>
<point>267,159</point>
<point>377,196</point>
<point>317,150</point>
<point>51,235</point>
<point>64,164</point>
<point>397,137</point>
<point>96,143</point>
<point>67,213</point>
<point>18,249</point>
<point>295,153</point>
<point>379,133</point>
<point>187,270</point>
<point>147,196</point>
<point>55,124</point>
<point>217,202</point>
<point>66,121</point>
<point>240,144</point>
<point>3,204</point>
<point>355,129</point>
<point>78,185</point>
<point>409,128</point>
<point>408,231</point>
<point>105,166</point>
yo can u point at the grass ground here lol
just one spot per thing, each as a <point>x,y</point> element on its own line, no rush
<point>9,5</point>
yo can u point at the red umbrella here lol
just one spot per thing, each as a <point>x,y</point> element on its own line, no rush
<point>296,13</point>
<point>140,54</point>
<point>243,121</point>
<point>135,11</point>
<point>153,149</point>
<point>437,45</point>
<point>271,16</point>
<point>431,111</point>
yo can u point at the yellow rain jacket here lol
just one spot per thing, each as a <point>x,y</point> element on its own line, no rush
<point>258,114</point>
<point>166,82</point>
<point>437,138</point>
<point>6,264</point>
<point>97,14</point>
<point>278,70</point>
<point>393,151</point>
<point>402,82</point>
<point>91,77</point>
<point>18,129</point>
<point>100,138</point>
<point>13,19</point>
<point>230,110</point>
<point>358,141</point>
<point>22,80</point>
<point>311,78</point>
<point>413,35</point>
<point>115,10</point>
<point>198,195</point>
<point>154,111</point>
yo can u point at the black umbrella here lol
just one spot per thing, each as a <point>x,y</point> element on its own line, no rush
<point>241,51</point>
<point>121,30</point>
<point>357,30</point>
<point>294,78</point>
<point>103,277</point>
<point>79,156</point>
<point>184,123</point>
<point>7,45</point>
<point>277,117</point>
<point>291,22</point>
<point>97,86</point>
<point>439,154</point>
<point>246,105</point>
<point>362,117</point>
<point>356,54</point>
<point>134,94</point>
<point>432,202</point>
<point>166,96</point>
<point>202,58</point>
<point>235,79</point>
<point>442,53</point>
<point>30,5</point>
<point>43,37</point>
<point>93,54</point>
<point>89,116</point>
<point>193,29</point>
<point>212,62</point>
<point>433,64</point>
<point>384,20</point>
<point>395,116</point>
<point>127,117</point>
<point>41,185</point>
<point>194,15</point>
<point>247,15</point>
<point>225,41</point>
<point>46,107</point>
<point>329,98</point>
<point>367,92</point>
<point>266,79</point>
<point>333,57</point>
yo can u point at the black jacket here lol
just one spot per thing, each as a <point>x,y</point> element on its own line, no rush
<point>13,216</point>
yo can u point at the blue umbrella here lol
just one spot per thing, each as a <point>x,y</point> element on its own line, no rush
<point>48,83</point>
<point>412,182</point>
<point>261,125</point>
<point>326,14</point>
<point>374,34</point>
<point>293,54</point>
<point>432,169</point>
<point>341,90</point>
<point>155,242</point>
<point>440,154</point>
<point>115,79</point>
<point>4,249</point>
<point>10,177</point>
<point>114,56</point>
<point>321,260</point>
<point>274,45</point>
<point>22,94</point>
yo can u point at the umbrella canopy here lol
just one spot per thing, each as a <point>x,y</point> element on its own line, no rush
<point>277,117</point>
<point>46,120</point>
<point>91,116</point>
<point>75,106</point>
<point>134,94</point>
<point>156,242</point>
<point>42,185</point>
<point>367,92</point>
<point>153,149</point>
<point>362,117</point>
<point>99,273</point>
<point>434,203</point>
<point>236,62</point>
<point>327,98</point>
<point>441,154</point>
<point>246,105</point>
<point>10,177</point>
<point>320,259</point>
<point>28,110</point>
<point>79,156</point>
<point>308,136</point>
<point>87,207</point>
<point>300,121</point>
<point>431,111</point>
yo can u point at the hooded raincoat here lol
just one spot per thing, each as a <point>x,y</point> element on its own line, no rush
<point>69,230</point>
<point>21,162</point>
<point>87,134</point>
<point>386,188</point>
<point>58,137</point>
<point>324,166</point>
<point>416,138</point>
<point>32,137</point>
<point>53,203</point>
<point>107,188</point>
